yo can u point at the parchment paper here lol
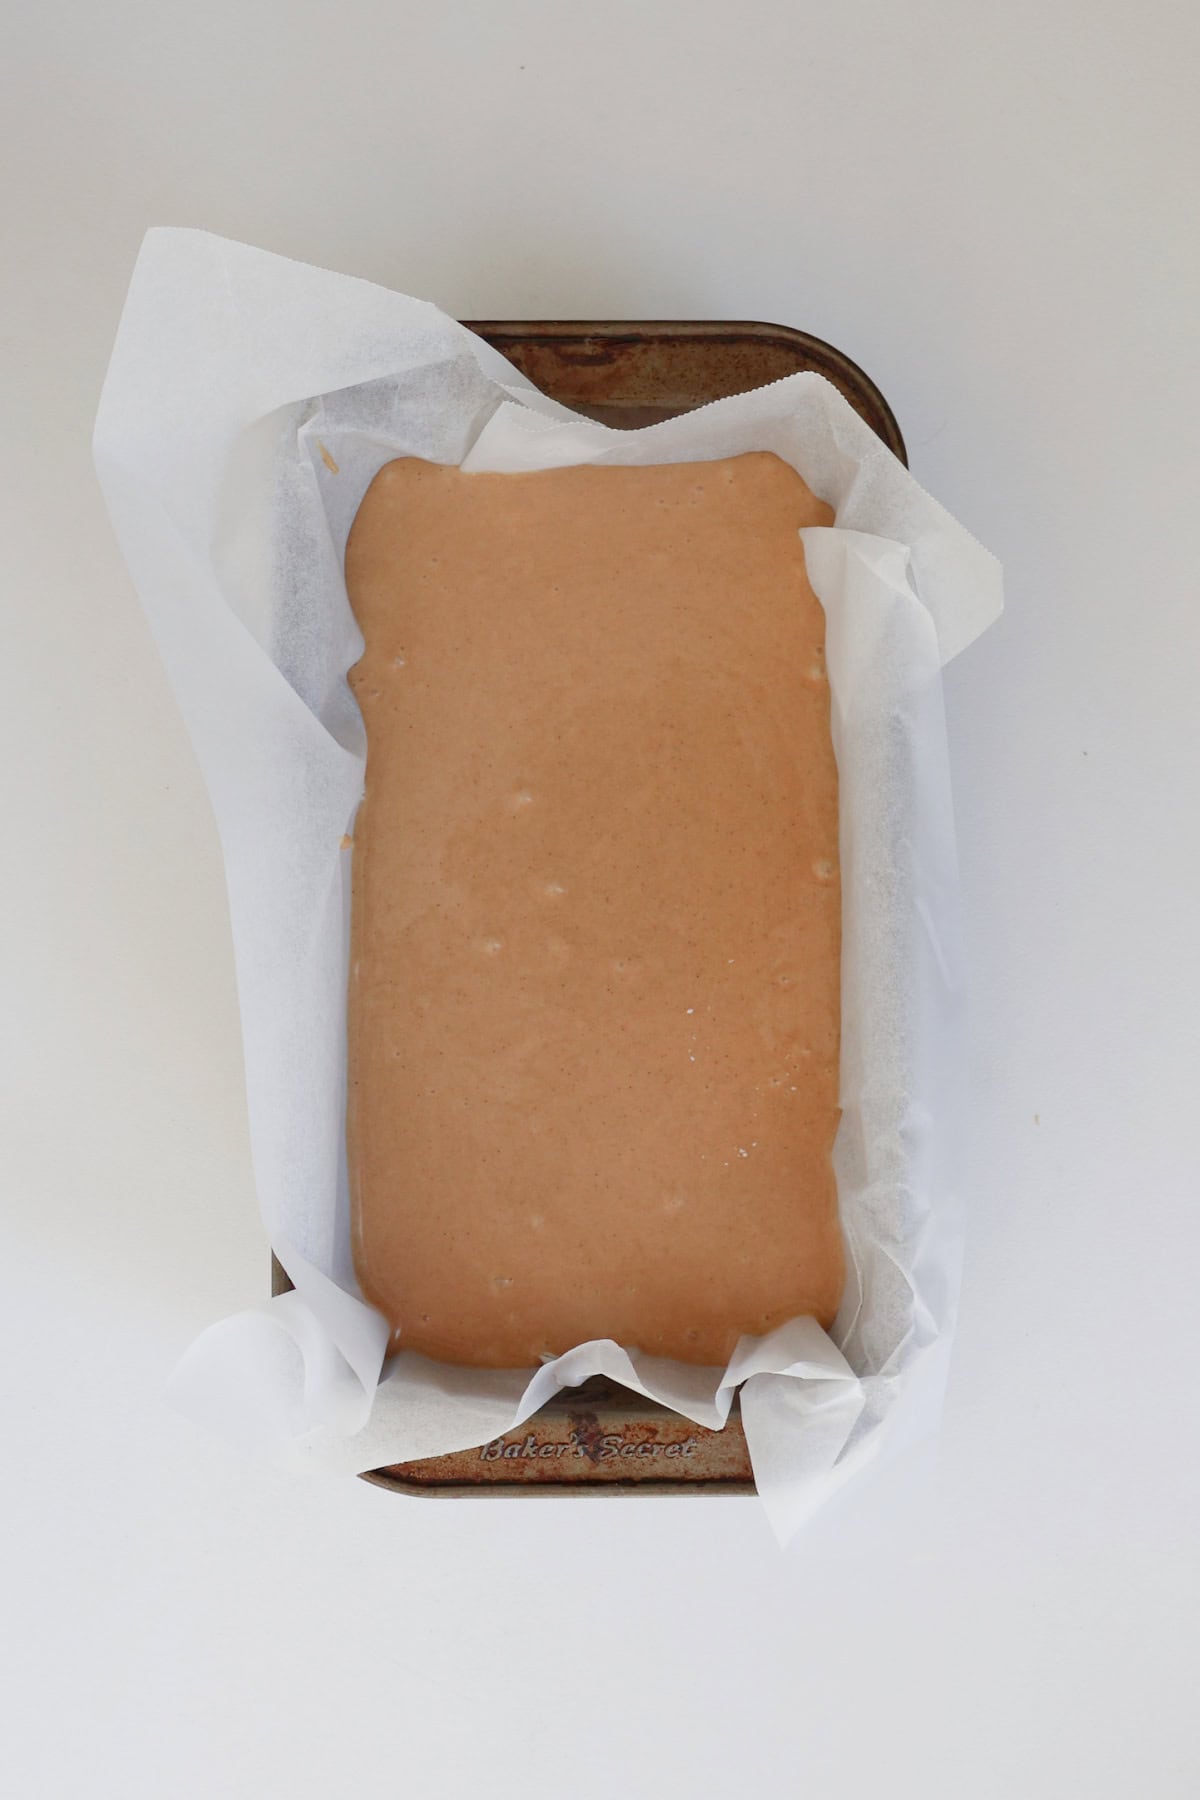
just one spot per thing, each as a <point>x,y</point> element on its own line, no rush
<point>238,378</point>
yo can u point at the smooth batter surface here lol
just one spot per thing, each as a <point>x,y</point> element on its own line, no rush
<point>594,994</point>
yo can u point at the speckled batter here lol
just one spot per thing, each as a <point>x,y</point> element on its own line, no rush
<point>594,993</point>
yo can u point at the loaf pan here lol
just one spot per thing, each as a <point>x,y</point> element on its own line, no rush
<point>601,1438</point>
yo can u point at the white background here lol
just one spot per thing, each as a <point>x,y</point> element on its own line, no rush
<point>989,206</point>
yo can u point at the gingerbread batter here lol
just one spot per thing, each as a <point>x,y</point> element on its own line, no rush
<point>594,992</point>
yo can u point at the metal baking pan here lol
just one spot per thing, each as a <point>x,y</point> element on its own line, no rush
<point>600,1438</point>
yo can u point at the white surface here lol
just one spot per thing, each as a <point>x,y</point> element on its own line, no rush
<point>1035,1637</point>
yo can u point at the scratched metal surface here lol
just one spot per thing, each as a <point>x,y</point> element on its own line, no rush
<point>595,1439</point>
<point>631,373</point>
<point>600,1438</point>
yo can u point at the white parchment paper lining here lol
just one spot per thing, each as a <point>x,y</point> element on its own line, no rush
<point>232,369</point>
